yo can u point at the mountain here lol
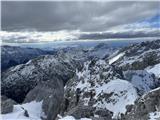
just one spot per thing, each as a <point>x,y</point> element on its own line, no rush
<point>103,86</point>
<point>100,83</point>
<point>146,108</point>
<point>13,55</point>
<point>104,89</point>
<point>137,56</point>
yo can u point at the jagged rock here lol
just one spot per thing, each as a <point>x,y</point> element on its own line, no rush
<point>18,81</point>
<point>139,56</point>
<point>81,111</point>
<point>100,118</point>
<point>144,106</point>
<point>100,88</point>
<point>51,94</point>
<point>104,113</point>
<point>6,105</point>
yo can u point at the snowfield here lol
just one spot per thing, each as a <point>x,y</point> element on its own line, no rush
<point>122,94</point>
<point>34,111</point>
<point>154,116</point>
<point>155,70</point>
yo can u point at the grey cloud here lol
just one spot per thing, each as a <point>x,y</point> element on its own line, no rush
<point>125,34</point>
<point>85,16</point>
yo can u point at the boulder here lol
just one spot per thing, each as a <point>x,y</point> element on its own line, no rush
<point>6,105</point>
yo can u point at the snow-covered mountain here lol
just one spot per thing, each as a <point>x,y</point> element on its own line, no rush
<point>13,55</point>
<point>101,83</point>
<point>137,56</point>
<point>103,86</point>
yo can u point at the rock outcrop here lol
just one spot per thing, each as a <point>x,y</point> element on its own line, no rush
<point>98,86</point>
<point>6,105</point>
<point>145,106</point>
<point>51,94</point>
<point>19,80</point>
<point>139,56</point>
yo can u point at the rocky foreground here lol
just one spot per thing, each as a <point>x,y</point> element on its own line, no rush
<point>94,84</point>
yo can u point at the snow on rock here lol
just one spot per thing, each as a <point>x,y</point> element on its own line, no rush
<point>154,69</point>
<point>33,108</point>
<point>141,80</point>
<point>154,116</point>
<point>72,118</point>
<point>115,58</point>
<point>138,56</point>
<point>121,93</point>
<point>109,90</point>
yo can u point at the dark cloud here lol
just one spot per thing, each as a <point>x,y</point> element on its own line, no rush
<point>85,16</point>
<point>126,34</point>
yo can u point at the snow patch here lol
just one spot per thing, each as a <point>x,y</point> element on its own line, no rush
<point>121,92</point>
<point>154,115</point>
<point>155,70</point>
<point>33,108</point>
<point>114,59</point>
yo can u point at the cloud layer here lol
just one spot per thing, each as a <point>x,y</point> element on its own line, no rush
<point>81,20</point>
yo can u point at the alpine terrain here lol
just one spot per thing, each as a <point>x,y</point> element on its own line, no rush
<point>96,83</point>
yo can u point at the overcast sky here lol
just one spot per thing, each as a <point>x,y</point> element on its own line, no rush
<point>92,19</point>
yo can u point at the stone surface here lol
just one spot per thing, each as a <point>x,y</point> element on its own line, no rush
<point>51,93</point>
<point>143,106</point>
<point>81,111</point>
<point>6,105</point>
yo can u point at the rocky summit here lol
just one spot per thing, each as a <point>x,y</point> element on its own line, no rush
<point>99,83</point>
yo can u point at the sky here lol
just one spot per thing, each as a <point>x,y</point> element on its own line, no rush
<point>51,21</point>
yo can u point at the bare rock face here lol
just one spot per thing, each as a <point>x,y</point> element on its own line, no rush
<point>51,94</point>
<point>6,105</point>
<point>145,106</point>
<point>81,111</point>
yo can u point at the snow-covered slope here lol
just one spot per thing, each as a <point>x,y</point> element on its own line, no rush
<point>154,69</point>
<point>100,85</point>
<point>115,58</point>
<point>102,80</point>
<point>122,93</point>
<point>141,80</point>
<point>154,115</point>
<point>20,112</point>
<point>137,56</point>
